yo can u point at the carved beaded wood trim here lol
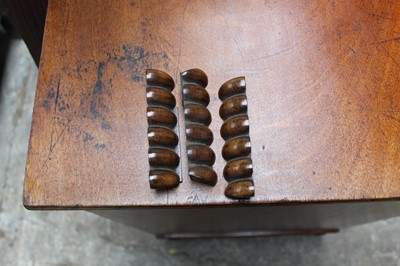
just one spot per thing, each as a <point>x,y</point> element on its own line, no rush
<point>235,131</point>
<point>161,134</point>
<point>199,137</point>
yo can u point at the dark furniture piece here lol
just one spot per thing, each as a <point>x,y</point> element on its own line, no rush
<point>324,100</point>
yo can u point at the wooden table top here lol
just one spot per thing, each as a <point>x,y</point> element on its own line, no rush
<point>322,87</point>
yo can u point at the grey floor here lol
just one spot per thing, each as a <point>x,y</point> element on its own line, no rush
<point>80,238</point>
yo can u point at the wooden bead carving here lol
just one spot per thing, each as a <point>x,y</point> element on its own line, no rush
<point>237,147</point>
<point>240,189</point>
<point>197,113</point>
<point>199,134</point>
<point>163,178</point>
<point>157,96</point>
<point>235,126</point>
<point>199,137</point>
<point>235,131</point>
<point>160,79</point>
<point>162,121</point>
<point>201,154</point>
<point>233,87</point>
<point>203,174</point>
<point>233,106</point>
<point>162,157</point>
<point>238,169</point>
<point>160,116</point>
<point>160,136</point>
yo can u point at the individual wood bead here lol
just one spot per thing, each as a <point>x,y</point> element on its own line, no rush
<point>157,78</point>
<point>238,169</point>
<point>201,154</point>
<point>161,136</point>
<point>196,76</point>
<point>195,93</point>
<point>233,106</point>
<point>197,113</point>
<point>163,179</point>
<point>240,189</point>
<point>162,97</point>
<point>237,147</point>
<point>203,174</point>
<point>161,116</point>
<point>160,157</point>
<point>235,126</point>
<point>199,134</point>
<point>232,87</point>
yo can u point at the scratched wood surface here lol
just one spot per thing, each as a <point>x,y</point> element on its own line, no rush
<point>322,86</point>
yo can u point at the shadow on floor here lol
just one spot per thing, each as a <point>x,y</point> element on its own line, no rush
<point>7,33</point>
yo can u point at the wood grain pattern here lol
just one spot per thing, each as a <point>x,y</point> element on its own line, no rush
<point>322,90</point>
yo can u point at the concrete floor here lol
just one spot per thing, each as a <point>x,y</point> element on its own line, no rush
<point>80,238</point>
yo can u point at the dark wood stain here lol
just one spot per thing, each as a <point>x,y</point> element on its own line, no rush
<point>100,146</point>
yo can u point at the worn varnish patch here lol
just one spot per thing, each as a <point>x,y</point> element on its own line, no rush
<point>94,101</point>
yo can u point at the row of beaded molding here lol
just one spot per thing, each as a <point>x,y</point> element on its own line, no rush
<point>162,121</point>
<point>236,151</point>
<point>199,137</point>
<point>163,140</point>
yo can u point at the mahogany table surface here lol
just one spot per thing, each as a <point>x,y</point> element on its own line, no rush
<point>322,87</point>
